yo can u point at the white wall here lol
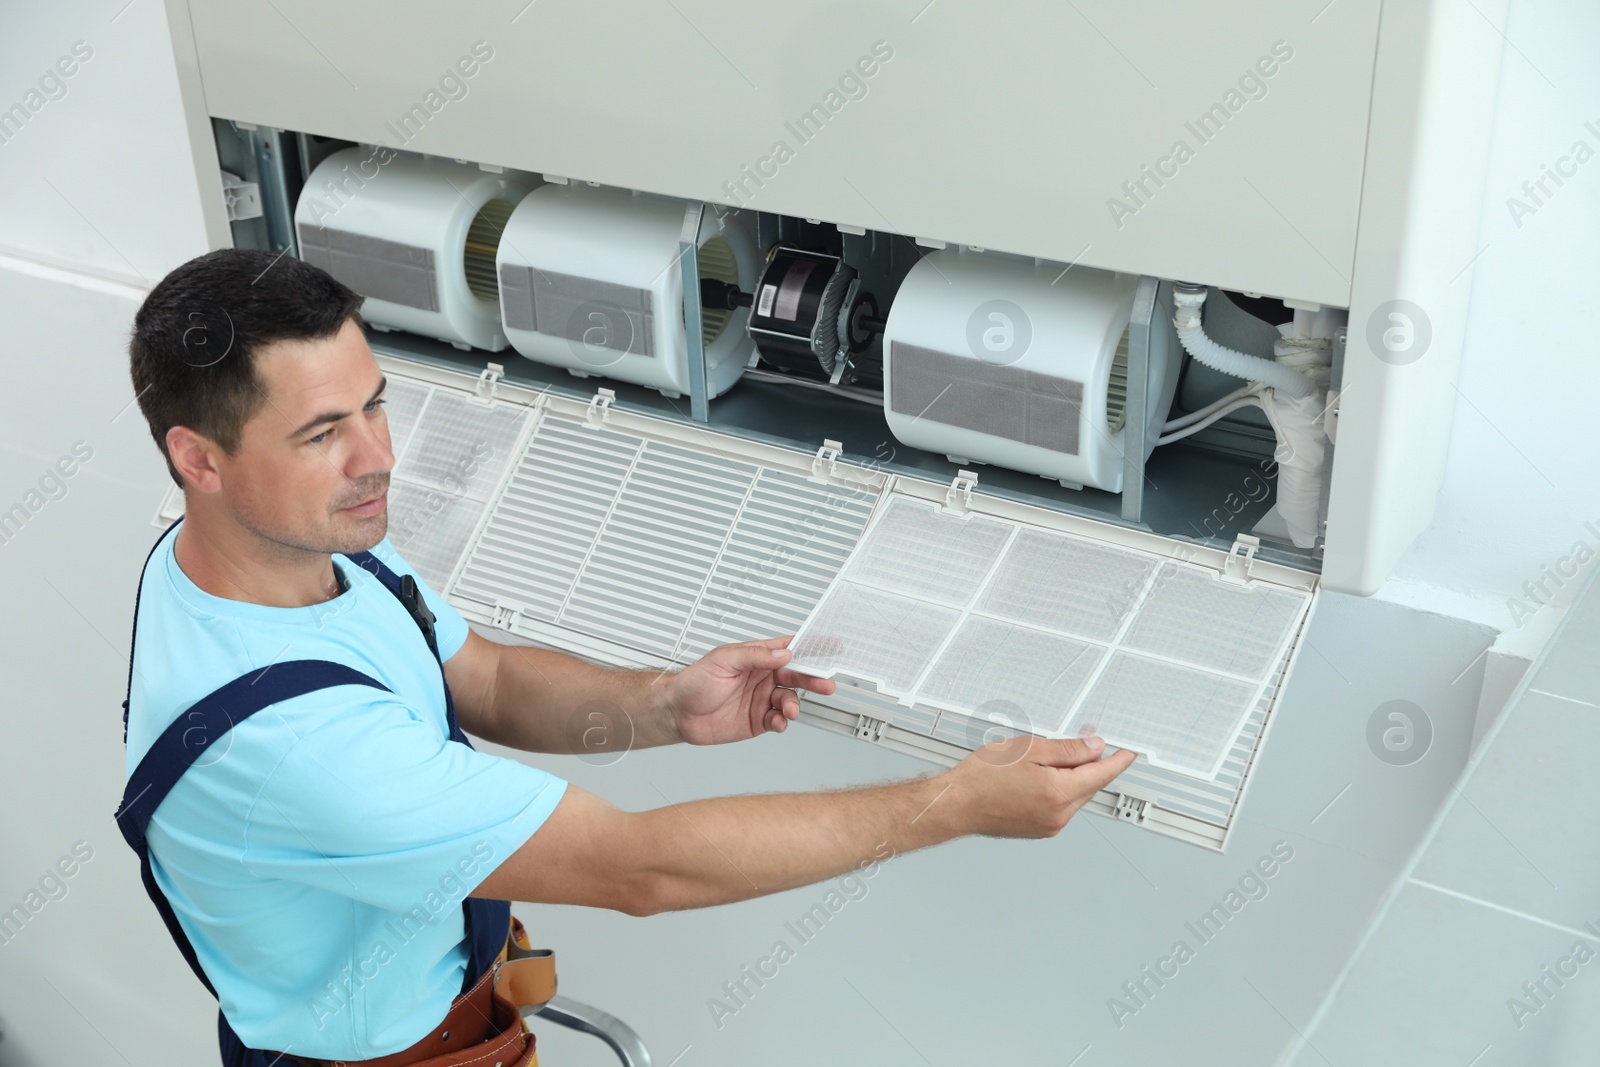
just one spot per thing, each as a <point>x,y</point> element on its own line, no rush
<point>100,179</point>
<point>1522,479</point>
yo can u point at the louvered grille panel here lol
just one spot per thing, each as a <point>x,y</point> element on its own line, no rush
<point>548,518</point>
<point>658,547</point>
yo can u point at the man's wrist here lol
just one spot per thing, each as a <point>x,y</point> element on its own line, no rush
<point>652,706</point>
<point>939,815</point>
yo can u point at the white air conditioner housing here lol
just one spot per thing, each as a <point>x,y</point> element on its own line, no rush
<point>999,359</point>
<point>590,280</point>
<point>416,236</point>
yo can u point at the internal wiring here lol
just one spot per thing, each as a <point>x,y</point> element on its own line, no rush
<point>1195,427</point>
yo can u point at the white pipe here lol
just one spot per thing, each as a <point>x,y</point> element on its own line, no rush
<point>1296,381</point>
<point>1178,434</point>
<point>1199,413</point>
<point>866,396</point>
<point>1251,368</point>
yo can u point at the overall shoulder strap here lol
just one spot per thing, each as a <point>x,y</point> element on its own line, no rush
<point>138,592</point>
<point>190,737</point>
<point>406,590</point>
<point>187,739</point>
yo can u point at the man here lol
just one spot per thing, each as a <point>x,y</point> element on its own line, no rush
<point>313,857</point>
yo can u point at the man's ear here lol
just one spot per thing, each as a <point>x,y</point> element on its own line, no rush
<point>195,456</point>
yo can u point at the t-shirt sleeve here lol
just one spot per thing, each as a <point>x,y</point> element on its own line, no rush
<point>449,628</point>
<point>375,805</point>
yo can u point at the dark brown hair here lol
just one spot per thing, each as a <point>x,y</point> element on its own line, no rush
<point>195,338</point>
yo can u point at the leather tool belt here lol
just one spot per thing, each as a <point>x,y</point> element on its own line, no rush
<point>484,1027</point>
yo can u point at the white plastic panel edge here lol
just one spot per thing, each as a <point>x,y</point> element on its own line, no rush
<point>1432,117</point>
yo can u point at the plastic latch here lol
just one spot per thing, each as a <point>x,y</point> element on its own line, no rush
<point>504,616</point>
<point>599,406</point>
<point>826,460</point>
<point>958,498</point>
<point>1236,567</point>
<point>1131,809</point>
<point>241,198</point>
<point>488,384</point>
<point>869,729</point>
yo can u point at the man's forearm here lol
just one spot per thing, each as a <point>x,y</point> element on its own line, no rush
<point>726,849</point>
<point>546,701</point>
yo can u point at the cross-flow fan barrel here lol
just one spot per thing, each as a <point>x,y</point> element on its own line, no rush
<point>590,280</point>
<point>1001,359</point>
<point>416,236</point>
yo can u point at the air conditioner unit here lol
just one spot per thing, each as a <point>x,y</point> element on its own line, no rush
<point>636,529</point>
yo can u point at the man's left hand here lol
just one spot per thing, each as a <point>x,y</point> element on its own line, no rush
<point>738,691</point>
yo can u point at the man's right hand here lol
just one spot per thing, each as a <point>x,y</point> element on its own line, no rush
<point>1029,786</point>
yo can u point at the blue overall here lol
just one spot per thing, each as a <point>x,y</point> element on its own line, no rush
<point>190,735</point>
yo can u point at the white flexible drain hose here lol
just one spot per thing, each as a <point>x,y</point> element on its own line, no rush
<point>1294,404</point>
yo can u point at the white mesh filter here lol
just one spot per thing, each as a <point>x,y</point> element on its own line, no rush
<point>915,550</point>
<point>1053,631</point>
<point>462,447</point>
<point>873,635</point>
<point>1066,584</point>
<point>1180,718</point>
<point>430,528</point>
<point>402,403</point>
<point>451,454</point>
<point>1030,677</point>
<point>1196,617</point>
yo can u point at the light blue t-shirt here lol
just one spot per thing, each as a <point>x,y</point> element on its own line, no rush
<point>317,855</point>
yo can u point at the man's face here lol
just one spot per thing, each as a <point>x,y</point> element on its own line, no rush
<point>310,461</point>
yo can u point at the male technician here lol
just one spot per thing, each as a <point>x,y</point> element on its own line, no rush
<point>318,853</point>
